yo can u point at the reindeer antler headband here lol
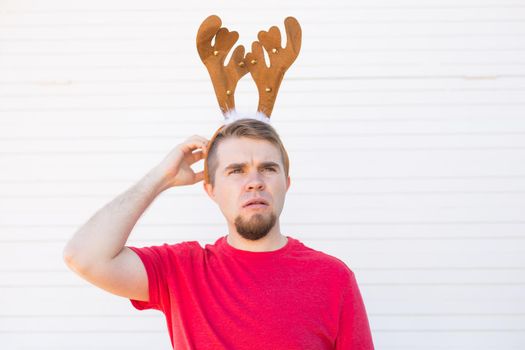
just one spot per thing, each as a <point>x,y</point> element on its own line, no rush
<point>225,78</point>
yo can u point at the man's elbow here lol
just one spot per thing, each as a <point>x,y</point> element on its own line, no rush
<point>68,255</point>
<point>74,260</point>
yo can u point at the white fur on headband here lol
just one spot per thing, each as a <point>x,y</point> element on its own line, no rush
<point>232,115</point>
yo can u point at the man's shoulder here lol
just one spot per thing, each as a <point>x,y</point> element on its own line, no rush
<point>189,247</point>
<point>325,260</point>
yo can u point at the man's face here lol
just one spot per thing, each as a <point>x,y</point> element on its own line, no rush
<point>249,169</point>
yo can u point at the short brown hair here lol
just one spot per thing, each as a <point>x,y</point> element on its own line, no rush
<point>246,127</point>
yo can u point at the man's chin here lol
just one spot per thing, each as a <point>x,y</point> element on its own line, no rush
<point>255,226</point>
<point>251,237</point>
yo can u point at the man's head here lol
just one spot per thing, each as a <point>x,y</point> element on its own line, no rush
<point>245,160</point>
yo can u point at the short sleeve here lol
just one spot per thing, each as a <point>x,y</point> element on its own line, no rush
<point>153,260</point>
<point>354,329</point>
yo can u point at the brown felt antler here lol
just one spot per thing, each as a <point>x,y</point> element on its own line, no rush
<point>269,79</point>
<point>224,78</point>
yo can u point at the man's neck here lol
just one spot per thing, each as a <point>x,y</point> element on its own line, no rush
<point>270,242</point>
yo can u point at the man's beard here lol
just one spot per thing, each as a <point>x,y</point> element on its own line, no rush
<point>256,227</point>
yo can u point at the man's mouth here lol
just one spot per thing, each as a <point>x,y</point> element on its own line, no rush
<point>256,203</point>
<point>256,206</point>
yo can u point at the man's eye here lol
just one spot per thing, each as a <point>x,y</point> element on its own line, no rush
<point>233,171</point>
<point>270,168</point>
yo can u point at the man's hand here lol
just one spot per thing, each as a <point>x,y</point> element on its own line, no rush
<point>176,168</point>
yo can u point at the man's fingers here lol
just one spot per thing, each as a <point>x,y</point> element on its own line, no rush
<point>199,176</point>
<point>196,156</point>
<point>191,146</point>
<point>198,138</point>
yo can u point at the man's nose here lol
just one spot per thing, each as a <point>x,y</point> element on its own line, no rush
<point>255,181</point>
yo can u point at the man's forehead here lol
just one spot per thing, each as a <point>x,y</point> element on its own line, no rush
<point>247,151</point>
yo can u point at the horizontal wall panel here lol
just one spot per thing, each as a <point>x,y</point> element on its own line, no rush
<point>85,340</point>
<point>90,300</point>
<point>365,162</point>
<point>143,321</point>
<point>419,255</point>
<point>302,184</point>
<point>144,233</point>
<point>17,277</point>
<point>337,208</point>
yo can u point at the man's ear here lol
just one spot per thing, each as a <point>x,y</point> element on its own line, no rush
<point>208,188</point>
<point>288,183</point>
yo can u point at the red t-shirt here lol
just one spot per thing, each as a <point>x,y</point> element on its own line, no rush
<point>221,297</point>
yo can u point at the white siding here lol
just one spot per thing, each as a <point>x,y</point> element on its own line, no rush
<point>405,125</point>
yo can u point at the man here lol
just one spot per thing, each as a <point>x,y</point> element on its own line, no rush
<point>254,288</point>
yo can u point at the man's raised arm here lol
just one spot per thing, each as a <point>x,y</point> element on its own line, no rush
<point>97,250</point>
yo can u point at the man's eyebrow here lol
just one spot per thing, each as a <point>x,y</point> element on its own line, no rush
<point>267,164</point>
<point>242,165</point>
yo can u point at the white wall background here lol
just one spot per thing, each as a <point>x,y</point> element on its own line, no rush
<point>405,126</point>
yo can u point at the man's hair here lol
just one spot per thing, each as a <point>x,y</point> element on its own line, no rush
<point>246,127</point>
